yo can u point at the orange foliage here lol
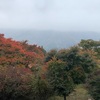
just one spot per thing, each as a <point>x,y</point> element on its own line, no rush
<point>15,53</point>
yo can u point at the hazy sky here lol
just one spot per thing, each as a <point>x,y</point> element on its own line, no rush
<point>67,15</point>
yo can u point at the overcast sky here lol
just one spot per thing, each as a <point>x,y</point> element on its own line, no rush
<point>63,15</point>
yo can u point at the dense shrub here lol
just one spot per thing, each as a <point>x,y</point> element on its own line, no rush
<point>40,89</point>
<point>93,84</point>
<point>14,83</point>
<point>78,75</point>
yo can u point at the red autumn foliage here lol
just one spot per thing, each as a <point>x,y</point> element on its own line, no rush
<point>16,53</point>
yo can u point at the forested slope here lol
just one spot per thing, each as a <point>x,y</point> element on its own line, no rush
<point>16,53</point>
<point>28,72</point>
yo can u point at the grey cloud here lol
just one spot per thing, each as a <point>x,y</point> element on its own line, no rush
<point>66,15</point>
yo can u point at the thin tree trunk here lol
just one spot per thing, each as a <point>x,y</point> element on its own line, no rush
<point>64,97</point>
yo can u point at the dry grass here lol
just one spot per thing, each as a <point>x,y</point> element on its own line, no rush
<point>80,93</point>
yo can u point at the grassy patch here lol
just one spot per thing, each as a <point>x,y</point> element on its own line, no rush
<point>80,93</point>
<point>98,66</point>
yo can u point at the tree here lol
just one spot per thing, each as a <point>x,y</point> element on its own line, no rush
<point>16,53</point>
<point>50,55</point>
<point>40,89</point>
<point>18,83</point>
<point>93,84</point>
<point>14,83</point>
<point>78,75</point>
<point>70,56</point>
<point>78,62</point>
<point>59,78</point>
<point>91,45</point>
<point>87,44</point>
<point>75,57</point>
<point>87,62</point>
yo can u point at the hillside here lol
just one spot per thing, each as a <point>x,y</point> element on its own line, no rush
<point>51,39</point>
<point>16,53</point>
<point>28,72</point>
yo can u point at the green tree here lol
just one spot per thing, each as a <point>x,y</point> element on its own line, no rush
<point>91,45</point>
<point>87,62</point>
<point>78,63</point>
<point>87,44</point>
<point>59,78</point>
<point>40,89</point>
<point>78,75</point>
<point>93,84</point>
<point>76,57</point>
<point>50,55</point>
<point>70,56</point>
